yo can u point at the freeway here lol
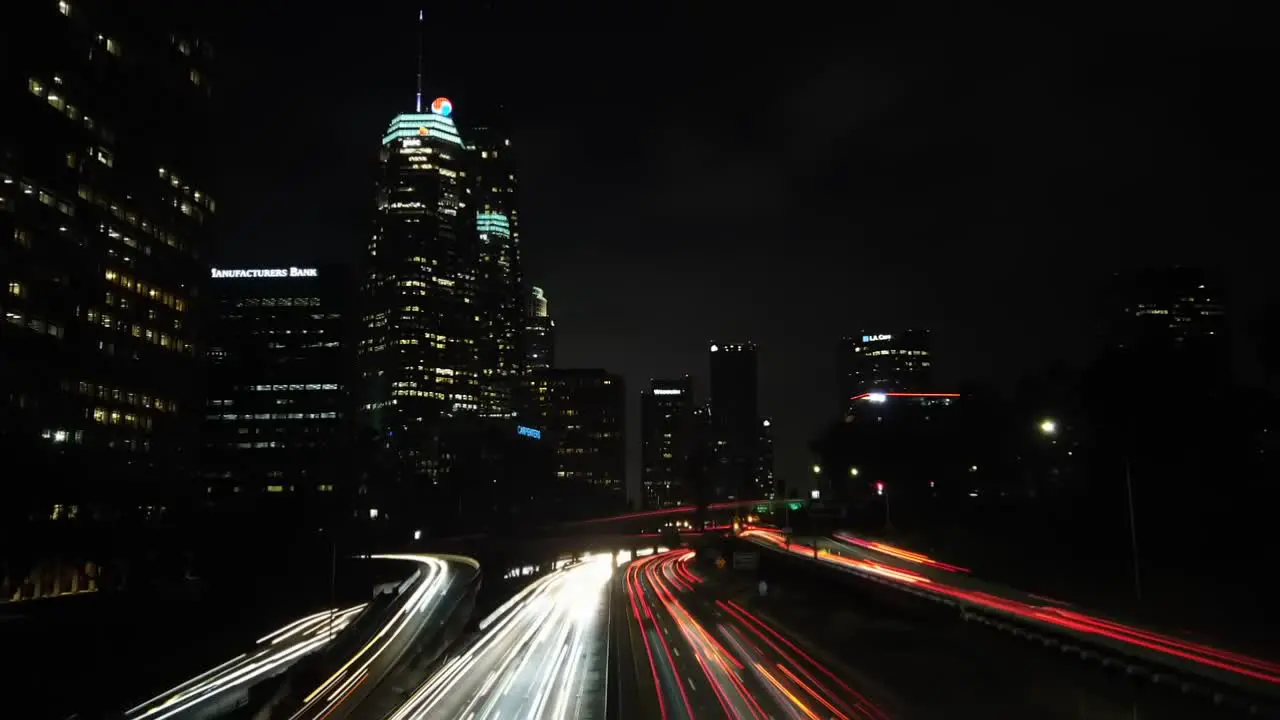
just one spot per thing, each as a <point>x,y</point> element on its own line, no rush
<point>714,658</point>
<point>405,629</point>
<point>272,655</point>
<point>923,575</point>
<point>532,658</point>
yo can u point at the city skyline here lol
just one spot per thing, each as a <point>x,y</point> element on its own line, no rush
<point>1005,290</point>
<point>492,347</point>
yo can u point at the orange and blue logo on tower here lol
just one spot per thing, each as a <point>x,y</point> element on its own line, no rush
<point>442,106</point>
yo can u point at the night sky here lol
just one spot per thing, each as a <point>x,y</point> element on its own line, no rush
<point>689,178</point>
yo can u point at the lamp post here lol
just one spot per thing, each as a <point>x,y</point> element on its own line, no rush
<point>1049,427</point>
<point>817,482</point>
<point>1133,529</point>
<point>814,496</point>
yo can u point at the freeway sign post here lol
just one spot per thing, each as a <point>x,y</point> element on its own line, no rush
<point>746,560</point>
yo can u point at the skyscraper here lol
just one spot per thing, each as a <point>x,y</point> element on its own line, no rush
<point>582,413</point>
<point>539,334</point>
<point>500,282</point>
<point>735,415</point>
<point>278,416</point>
<point>422,357</point>
<point>538,306</point>
<point>666,442</point>
<point>877,361</point>
<point>105,229</point>
<point>766,484</point>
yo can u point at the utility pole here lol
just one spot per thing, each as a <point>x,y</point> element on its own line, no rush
<point>1133,529</point>
<point>333,576</point>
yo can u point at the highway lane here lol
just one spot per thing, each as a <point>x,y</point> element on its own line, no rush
<point>921,574</point>
<point>272,654</point>
<point>412,622</point>
<point>531,658</point>
<point>714,658</point>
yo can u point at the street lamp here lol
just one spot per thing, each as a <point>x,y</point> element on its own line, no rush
<point>1048,427</point>
<point>817,469</point>
<point>853,472</point>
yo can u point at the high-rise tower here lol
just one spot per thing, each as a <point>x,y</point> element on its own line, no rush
<point>735,416</point>
<point>106,226</point>
<point>422,353</point>
<point>539,334</point>
<point>501,298</point>
<point>666,442</point>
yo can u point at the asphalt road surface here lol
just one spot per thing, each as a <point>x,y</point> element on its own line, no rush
<point>709,657</point>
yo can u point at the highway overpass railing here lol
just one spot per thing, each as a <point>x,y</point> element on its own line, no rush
<point>1221,676</point>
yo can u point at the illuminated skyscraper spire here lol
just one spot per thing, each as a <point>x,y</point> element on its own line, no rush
<point>418,105</point>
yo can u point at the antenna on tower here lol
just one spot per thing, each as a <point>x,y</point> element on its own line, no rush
<point>419,103</point>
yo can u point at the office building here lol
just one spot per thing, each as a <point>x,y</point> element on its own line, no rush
<point>508,481</point>
<point>703,456</point>
<point>279,416</point>
<point>766,485</point>
<point>666,442</point>
<point>878,361</point>
<point>422,355</point>
<point>539,334</point>
<point>1174,315</point>
<point>582,412</point>
<point>735,415</point>
<point>106,221</point>
<point>500,282</point>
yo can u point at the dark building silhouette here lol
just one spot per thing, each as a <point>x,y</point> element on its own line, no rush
<point>911,447</point>
<point>703,454</point>
<point>735,415</point>
<point>765,480</point>
<point>582,412</point>
<point>877,361</point>
<point>666,442</point>
<point>500,280</point>
<point>1170,315</point>
<point>279,414</point>
<point>500,477</point>
<point>106,221</point>
<point>539,334</point>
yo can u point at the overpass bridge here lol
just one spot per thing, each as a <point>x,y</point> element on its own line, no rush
<point>629,530</point>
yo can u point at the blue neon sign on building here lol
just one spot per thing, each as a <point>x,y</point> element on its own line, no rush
<point>526,431</point>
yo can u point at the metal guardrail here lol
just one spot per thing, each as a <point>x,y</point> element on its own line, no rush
<point>1219,687</point>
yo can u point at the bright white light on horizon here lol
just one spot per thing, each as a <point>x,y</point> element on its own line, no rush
<point>581,591</point>
<point>876,397</point>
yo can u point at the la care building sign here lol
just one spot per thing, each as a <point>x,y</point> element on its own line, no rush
<point>289,272</point>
